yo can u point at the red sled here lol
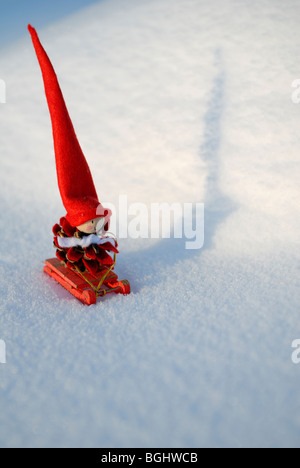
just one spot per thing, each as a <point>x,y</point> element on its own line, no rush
<point>84,286</point>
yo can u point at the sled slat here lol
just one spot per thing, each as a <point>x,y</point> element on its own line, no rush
<point>78,287</point>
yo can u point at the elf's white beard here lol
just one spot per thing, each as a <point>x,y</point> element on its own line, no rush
<point>68,242</point>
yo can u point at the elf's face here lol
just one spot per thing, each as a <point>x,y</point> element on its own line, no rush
<point>92,226</point>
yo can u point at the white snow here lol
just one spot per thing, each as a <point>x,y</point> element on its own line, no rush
<point>173,101</point>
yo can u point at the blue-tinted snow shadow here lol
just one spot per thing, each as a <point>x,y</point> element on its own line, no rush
<point>144,267</point>
<point>218,206</point>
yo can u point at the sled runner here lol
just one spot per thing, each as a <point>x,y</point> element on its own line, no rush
<point>84,286</point>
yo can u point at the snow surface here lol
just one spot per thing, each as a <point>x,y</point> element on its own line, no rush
<point>172,101</point>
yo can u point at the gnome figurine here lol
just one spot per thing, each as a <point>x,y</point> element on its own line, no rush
<point>80,237</point>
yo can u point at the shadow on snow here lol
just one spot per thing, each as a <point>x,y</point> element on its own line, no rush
<point>217,205</point>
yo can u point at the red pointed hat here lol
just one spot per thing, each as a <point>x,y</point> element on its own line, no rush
<point>74,178</point>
